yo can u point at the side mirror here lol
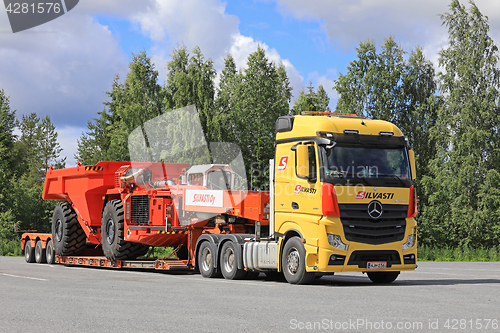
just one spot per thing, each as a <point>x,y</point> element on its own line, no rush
<point>411,155</point>
<point>302,162</point>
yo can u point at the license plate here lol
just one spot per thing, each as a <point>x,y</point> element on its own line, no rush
<point>377,265</point>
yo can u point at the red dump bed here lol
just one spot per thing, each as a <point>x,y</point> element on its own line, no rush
<point>86,186</point>
<point>83,186</point>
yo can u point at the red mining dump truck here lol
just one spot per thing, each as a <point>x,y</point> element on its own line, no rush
<point>114,211</point>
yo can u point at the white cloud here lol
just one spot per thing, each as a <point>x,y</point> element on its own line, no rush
<point>412,23</point>
<point>64,67</point>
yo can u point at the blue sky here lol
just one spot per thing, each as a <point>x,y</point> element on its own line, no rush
<point>64,67</point>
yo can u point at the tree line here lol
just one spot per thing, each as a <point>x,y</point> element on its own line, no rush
<point>449,113</point>
<point>25,158</point>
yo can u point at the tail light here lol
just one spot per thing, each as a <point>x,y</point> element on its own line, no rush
<point>412,207</point>
<point>329,198</point>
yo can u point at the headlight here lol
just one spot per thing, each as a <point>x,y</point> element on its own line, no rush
<point>409,242</point>
<point>336,241</point>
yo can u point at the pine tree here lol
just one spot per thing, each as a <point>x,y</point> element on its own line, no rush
<point>312,100</point>
<point>264,94</point>
<point>49,149</point>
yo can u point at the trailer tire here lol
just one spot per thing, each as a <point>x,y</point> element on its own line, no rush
<point>206,261</point>
<point>29,252</point>
<point>49,253</point>
<point>229,263</point>
<point>40,253</point>
<point>382,277</point>
<point>113,242</point>
<point>67,234</point>
<point>294,263</point>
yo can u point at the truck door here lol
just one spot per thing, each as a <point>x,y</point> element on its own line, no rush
<point>306,196</point>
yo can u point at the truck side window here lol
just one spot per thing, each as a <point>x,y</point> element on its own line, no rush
<point>312,164</point>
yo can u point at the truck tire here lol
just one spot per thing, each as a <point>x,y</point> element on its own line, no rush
<point>49,253</point>
<point>40,253</point>
<point>229,263</point>
<point>382,277</point>
<point>206,261</point>
<point>294,263</point>
<point>114,246</point>
<point>68,236</point>
<point>29,252</point>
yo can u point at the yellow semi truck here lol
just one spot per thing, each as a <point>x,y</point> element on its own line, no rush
<point>344,199</point>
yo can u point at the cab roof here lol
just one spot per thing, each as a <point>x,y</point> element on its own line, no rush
<point>310,124</point>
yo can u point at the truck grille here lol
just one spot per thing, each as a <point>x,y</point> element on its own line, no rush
<point>139,213</point>
<point>360,227</point>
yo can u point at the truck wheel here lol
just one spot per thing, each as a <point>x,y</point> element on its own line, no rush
<point>294,263</point>
<point>67,234</point>
<point>382,277</point>
<point>29,252</point>
<point>206,261</point>
<point>229,263</point>
<point>49,252</point>
<point>112,234</point>
<point>39,253</point>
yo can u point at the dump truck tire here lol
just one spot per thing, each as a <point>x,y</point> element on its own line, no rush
<point>68,237</point>
<point>113,242</point>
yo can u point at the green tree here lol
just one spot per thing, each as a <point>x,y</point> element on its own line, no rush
<point>465,174</point>
<point>7,138</point>
<point>190,81</point>
<point>138,99</point>
<point>227,98</point>
<point>48,147</point>
<point>312,100</point>
<point>26,146</point>
<point>263,94</point>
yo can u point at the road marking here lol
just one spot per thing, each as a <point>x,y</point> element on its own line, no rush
<point>24,277</point>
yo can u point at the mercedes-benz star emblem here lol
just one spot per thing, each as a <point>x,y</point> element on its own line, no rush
<point>375,209</point>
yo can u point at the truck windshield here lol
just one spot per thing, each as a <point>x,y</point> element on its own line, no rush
<point>349,161</point>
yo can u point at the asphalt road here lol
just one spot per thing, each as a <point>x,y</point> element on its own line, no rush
<point>437,297</point>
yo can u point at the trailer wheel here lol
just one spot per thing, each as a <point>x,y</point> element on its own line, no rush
<point>39,253</point>
<point>112,234</point>
<point>67,234</point>
<point>229,263</point>
<point>206,261</point>
<point>49,252</point>
<point>294,263</point>
<point>382,277</point>
<point>29,252</point>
